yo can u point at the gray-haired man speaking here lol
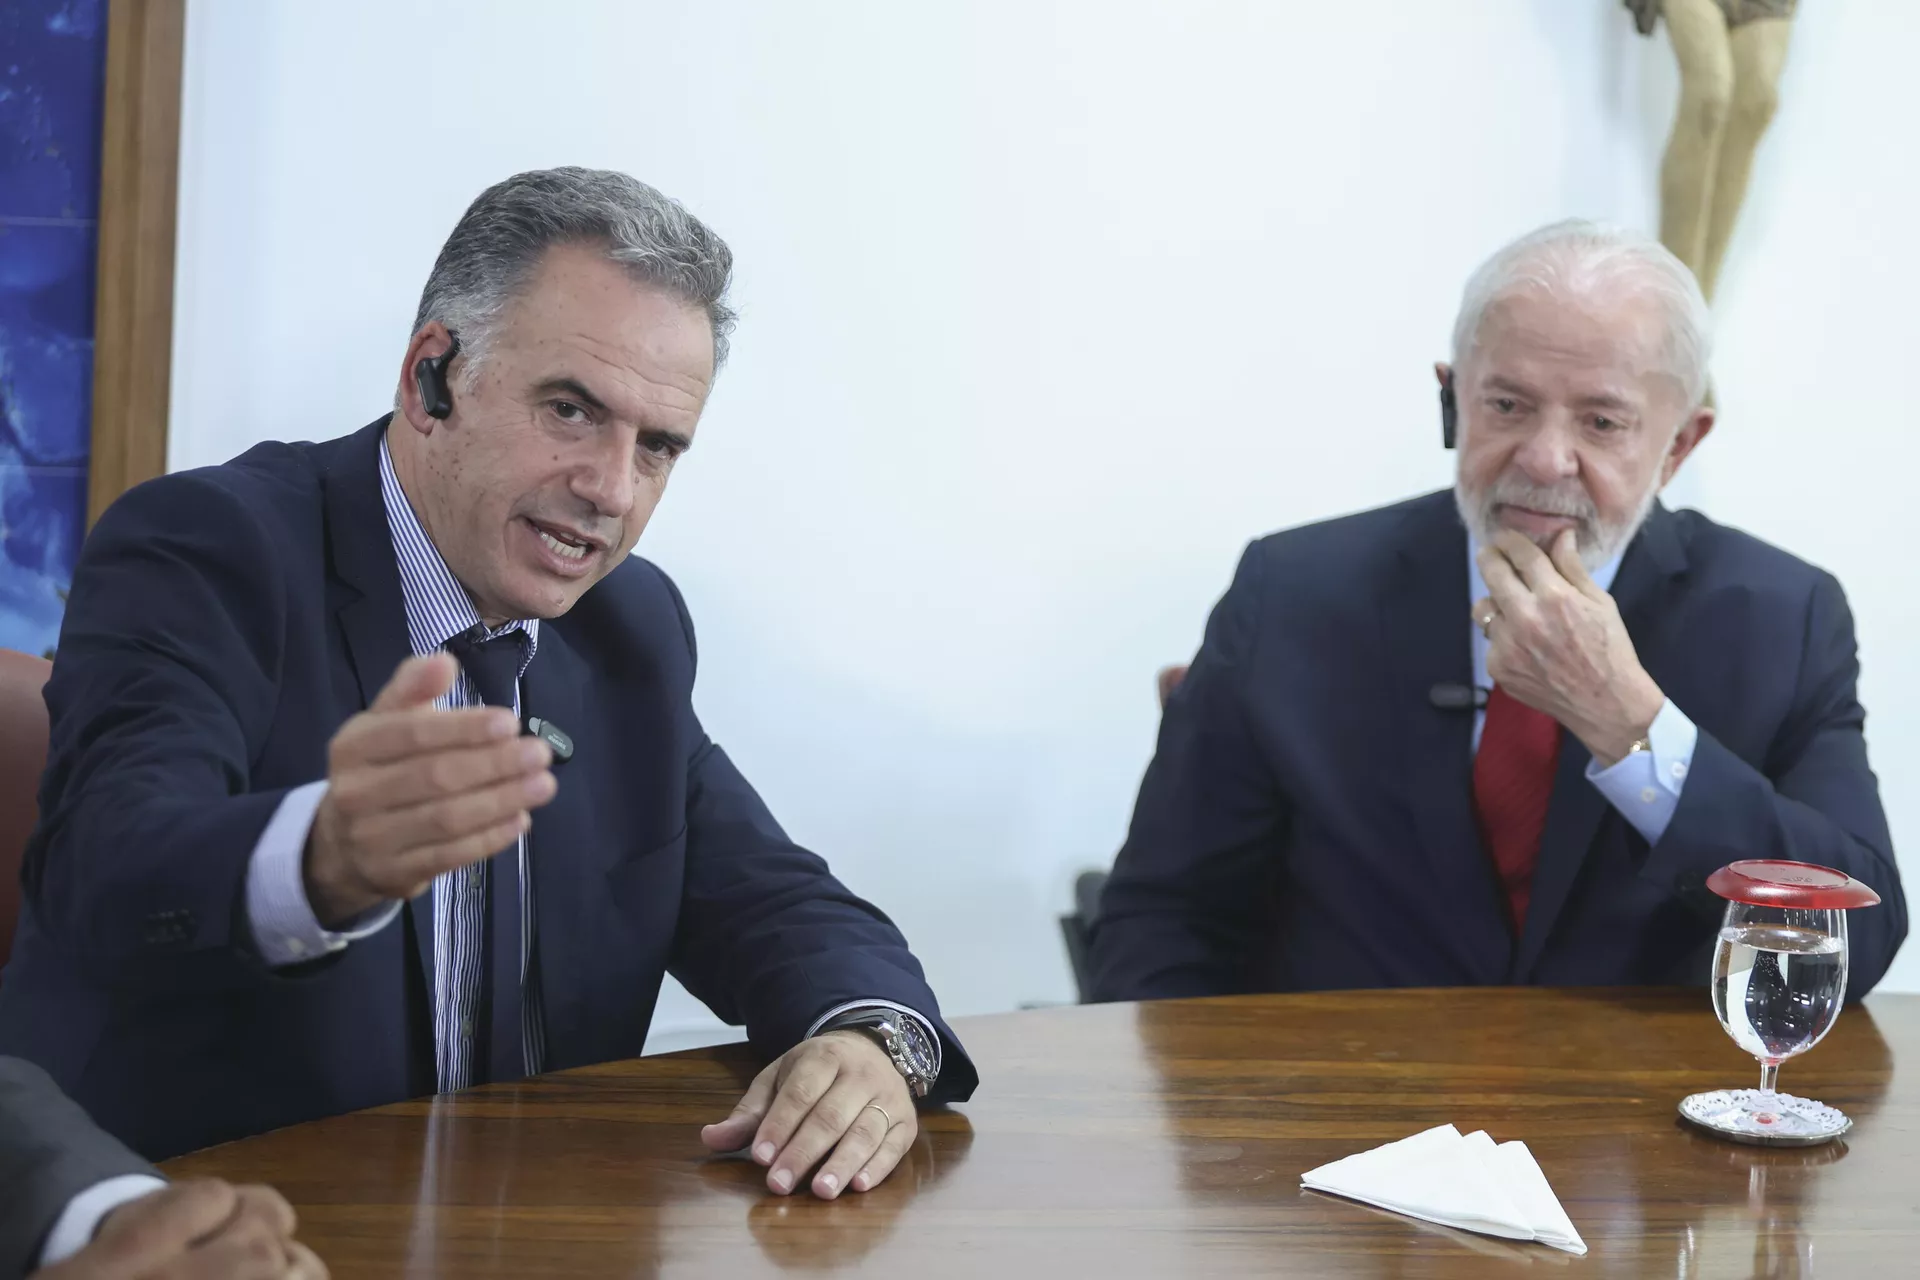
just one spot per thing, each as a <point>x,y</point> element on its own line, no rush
<point>374,766</point>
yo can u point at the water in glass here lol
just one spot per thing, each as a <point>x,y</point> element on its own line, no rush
<point>1777,985</point>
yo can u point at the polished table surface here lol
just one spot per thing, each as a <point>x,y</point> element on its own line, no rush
<point>1151,1140</point>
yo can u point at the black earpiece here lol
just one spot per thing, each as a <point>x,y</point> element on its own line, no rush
<point>1449,415</point>
<point>430,376</point>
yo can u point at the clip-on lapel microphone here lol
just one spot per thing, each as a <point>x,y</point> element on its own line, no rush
<point>554,736</point>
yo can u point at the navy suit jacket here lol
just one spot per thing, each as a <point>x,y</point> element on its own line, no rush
<point>1307,821</point>
<point>223,624</point>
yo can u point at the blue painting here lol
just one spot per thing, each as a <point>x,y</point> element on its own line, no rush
<point>53,58</point>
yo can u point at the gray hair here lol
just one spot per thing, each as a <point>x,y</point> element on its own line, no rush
<point>505,231</point>
<point>1577,255</point>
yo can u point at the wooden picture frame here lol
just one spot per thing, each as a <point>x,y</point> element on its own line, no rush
<point>133,298</point>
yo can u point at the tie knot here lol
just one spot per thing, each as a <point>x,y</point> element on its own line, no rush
<point>492,665</point>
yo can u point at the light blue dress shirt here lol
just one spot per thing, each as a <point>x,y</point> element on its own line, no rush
<point>1644,786</point>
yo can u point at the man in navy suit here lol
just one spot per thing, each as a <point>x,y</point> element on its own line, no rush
<point>295,859</point>
<point>1503,735</point>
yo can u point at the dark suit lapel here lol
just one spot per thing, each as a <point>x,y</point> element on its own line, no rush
<point>563,843</point>
<point>364,590</point>
<point>1425,616</point>
<point>1573,819</point>
<point>371,610</point>
<point>1647,572</point>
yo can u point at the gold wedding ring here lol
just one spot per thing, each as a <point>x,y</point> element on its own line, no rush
<point>874,1106</point>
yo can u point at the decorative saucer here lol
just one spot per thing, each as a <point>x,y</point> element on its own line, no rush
<point>1769,1120</point>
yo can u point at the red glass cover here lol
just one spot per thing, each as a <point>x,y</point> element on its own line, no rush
<point>1773,882</point>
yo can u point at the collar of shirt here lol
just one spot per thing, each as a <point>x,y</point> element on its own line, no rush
<point>438,607</point>
<point>1477,589</point>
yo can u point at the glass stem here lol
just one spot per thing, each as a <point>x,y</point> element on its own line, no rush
<point>1769,1072</point>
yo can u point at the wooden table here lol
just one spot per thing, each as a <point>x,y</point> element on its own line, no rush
<point>1150,1140</point>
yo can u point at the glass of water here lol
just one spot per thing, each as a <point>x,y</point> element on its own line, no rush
<point>1779,979</point>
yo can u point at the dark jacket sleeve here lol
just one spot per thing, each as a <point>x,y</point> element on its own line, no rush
<point>768,938</point>
<point>165,681</point>
<point>1187,900</point>
<point>1814,799</point>
<point>49,1153</point>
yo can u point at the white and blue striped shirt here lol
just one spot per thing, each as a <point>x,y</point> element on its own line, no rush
<point>285,929</point>
<point>438,608</point>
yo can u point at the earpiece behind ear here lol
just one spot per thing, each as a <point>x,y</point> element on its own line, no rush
<point>1449,417</point>
<point>430,377</point>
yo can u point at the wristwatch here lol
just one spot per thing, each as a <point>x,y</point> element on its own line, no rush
<point>908,1047</point>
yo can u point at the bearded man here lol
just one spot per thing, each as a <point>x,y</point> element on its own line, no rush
<point>1503,735</point>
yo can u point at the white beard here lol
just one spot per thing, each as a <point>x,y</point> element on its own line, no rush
<point>1597,541</point>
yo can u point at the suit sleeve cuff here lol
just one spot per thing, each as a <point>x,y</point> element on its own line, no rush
<point>74,1229</point>
<point>284,927</point>
<point>841,1013</point>
<point>1645,786</point>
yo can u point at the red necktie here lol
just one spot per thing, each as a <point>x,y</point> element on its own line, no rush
<point>1512,785</point>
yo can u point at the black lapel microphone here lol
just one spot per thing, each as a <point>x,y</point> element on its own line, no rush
<point>556,737</point>
<point>1451,696</point>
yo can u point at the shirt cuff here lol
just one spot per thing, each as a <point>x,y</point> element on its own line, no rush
<point>1645,786</point>
<point>73,1230</point>
<point>284,927</point>
<point>840,1012</point>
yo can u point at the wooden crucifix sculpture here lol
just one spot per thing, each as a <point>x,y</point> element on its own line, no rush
<point>1730,54</point>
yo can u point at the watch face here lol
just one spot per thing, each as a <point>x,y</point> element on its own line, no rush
<point>917,1048</point>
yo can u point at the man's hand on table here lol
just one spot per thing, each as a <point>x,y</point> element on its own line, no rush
<point>837,1093</point>
<point>1557,644</point>
<point>201,1230</point>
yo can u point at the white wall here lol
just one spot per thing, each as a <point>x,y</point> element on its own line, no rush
<point>1819,340</point>
<point>1048,308</point>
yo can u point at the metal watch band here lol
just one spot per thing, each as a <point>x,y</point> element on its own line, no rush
<point>896,1035</point>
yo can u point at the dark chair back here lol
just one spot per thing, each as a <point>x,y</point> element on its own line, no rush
<point>1076,930</point>
<point>23,756</point>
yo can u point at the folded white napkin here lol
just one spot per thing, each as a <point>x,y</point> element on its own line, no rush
<point>1456,1181</point>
